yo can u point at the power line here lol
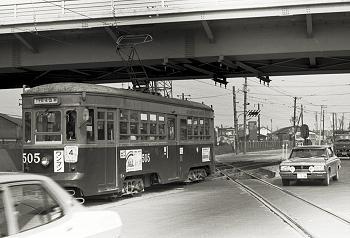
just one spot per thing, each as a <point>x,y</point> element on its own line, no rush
<point>303,95</point>
<point>212,96</point>
<point>306,86</point>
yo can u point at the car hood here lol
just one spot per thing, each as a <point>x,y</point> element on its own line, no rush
<point>339,144</point>
<point>304,161</point>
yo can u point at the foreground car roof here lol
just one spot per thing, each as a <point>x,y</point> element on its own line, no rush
<point>7,177</point>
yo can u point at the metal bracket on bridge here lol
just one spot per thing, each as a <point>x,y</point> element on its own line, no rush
<point>132,40</point>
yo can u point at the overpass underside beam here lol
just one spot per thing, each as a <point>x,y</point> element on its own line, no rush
<point>221,49</point>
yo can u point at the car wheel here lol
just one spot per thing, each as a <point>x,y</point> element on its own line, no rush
<point>326,180</point>
<point>285,182</point>
<point>336,176</point>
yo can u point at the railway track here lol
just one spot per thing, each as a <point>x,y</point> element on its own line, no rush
<point>307,218</point>
<point>246,165</point>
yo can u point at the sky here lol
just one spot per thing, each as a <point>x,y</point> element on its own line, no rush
<point>276,101</point>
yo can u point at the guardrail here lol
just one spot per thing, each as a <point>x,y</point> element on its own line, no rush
<point>17,12</point>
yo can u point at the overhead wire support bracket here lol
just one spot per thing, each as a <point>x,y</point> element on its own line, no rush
<point>133,40</point>
<point>126,48</point>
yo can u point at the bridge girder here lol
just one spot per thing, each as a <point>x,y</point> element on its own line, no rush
<point>270,46</point>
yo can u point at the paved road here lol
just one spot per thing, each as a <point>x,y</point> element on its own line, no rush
<point>216,208</point>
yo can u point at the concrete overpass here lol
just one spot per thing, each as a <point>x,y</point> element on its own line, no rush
<point>44,41</point>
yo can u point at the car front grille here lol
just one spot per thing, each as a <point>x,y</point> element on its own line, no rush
<point>342,150</point>
<point>301,168</point>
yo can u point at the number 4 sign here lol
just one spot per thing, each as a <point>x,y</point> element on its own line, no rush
<point>71,154</point>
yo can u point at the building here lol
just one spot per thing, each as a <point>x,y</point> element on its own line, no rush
<point>225,135</point>
<point>285,133</point>
<point>10,143</point>
<point>10,129</point>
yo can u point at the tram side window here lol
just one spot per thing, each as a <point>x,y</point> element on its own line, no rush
<point>189,128</point>
<point>27,127</point>
<point>153,126</point>
<point>206,128</point>
<point>71,121</point>
<point>183,129</point>
<point>134,125</point>
<point>144,126</point>
<point>201,129</point>
<point>161,127</point>
<point>101,125</point>
<point>124,124</point>
<point>171,128</point>
<point>110,125</point>
<point>195,128</point>
<point>90,126</point>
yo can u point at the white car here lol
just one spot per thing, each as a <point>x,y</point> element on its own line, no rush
<point>35,206</point>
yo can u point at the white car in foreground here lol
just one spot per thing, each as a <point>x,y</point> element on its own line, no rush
<point>35,206</point>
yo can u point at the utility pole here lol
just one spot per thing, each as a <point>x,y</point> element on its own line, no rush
<point>336,121</point>
<point>271,126</point>
<point>323,126</point>
<point>245,116</point>
<point>235,120</point>
<point>319,134</point>
<point>259,122</point>
<point>333,122</point>
<point>294,119</point>
<point>302,114</point>
<point>321,117</point>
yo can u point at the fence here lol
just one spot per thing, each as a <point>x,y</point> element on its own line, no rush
<point>252,146</point>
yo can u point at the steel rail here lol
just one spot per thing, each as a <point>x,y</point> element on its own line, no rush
<point>293,195</point>
<point>256,164</point>
<point>285,217</point>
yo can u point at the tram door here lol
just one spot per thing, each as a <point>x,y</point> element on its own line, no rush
<point>172,153</point>
<point>106,151</point>
<point>182,137</point>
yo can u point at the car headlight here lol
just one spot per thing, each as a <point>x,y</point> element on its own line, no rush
<point>311,169</point>
<point>45,161</point>
<point>319,167</point>
<point>284,168</point>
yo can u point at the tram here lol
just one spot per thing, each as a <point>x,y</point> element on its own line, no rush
<point>97,140</point>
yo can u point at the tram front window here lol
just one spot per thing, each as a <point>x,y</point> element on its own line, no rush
<point>70,124</point>
<point>48,126</point>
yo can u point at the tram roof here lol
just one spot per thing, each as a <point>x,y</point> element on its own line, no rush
<point>100,89</point>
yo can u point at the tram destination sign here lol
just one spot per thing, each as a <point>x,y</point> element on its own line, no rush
<point>46,101</point>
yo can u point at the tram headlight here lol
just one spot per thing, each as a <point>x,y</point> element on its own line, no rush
<point>45,161</point>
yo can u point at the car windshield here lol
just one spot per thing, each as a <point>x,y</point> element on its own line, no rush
<point>308,153</point>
